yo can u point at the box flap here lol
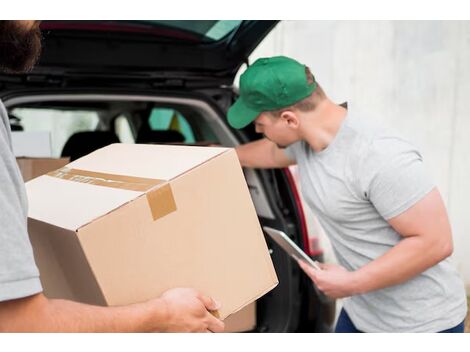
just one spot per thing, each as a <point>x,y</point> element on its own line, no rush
<point>72,204</point>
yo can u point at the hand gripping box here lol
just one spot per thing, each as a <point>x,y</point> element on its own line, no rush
<point>127,222</point>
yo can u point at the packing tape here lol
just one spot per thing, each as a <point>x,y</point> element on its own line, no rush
<point>160,200</point>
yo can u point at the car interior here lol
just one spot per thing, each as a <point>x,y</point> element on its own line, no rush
<point>79,124</point>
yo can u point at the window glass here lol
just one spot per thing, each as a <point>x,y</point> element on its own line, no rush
<point>169,119</point>
<point>61,124</point>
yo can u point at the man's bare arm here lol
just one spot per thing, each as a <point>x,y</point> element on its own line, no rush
<point>182,310</point>
<point>427,240</point>
<point>262,154</point>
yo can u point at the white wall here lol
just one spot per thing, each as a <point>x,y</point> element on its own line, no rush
<point>413,76</point>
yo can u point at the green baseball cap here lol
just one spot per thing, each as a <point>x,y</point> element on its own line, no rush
<point>269,84</point>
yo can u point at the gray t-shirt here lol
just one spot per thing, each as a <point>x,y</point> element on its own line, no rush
<point>365,177</point>
<point>19,276</point>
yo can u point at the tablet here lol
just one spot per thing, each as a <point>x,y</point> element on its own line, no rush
<point>289,246</point>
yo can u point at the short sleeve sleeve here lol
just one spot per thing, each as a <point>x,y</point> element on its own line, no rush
<point>19,276</point>
<point>398,178</point>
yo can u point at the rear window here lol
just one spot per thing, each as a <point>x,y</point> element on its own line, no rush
<point>111,122</point>
<point>164,119</point>
<point>61,124</point>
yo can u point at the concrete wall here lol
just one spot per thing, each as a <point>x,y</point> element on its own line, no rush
<point>412,76</point>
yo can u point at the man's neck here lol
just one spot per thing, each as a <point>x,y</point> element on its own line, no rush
<point>323,125</point>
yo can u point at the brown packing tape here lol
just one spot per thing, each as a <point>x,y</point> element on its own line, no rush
<point>161,200</point>
<point>130,183</point>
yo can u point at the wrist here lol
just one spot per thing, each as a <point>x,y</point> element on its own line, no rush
<point>358,282</point>
<point>156,315</point>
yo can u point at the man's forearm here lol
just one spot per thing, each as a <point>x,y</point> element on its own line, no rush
<point>253,154</point>
<point>408,258</point>
<point>39,314</point>
<point>262,154</point>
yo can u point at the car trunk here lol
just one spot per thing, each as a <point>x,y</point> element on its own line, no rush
<point>88,62</point>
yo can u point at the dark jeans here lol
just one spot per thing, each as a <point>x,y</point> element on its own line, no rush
<point>345,324</point>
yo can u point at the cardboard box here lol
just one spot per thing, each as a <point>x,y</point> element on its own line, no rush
<point>127,222</point>
<point>34,144</point>
<point>33,167</point>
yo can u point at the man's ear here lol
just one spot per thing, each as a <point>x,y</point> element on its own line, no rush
<point>290,118</point>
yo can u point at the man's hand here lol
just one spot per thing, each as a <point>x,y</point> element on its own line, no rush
<point>190,311</point>
<point>333,280</point>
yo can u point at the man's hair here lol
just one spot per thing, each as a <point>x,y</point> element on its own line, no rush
<point>19,47</point>
<point>309,103</point>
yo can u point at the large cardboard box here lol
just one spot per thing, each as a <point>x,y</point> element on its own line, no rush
<point>128,222</point>
<point>33,167</point>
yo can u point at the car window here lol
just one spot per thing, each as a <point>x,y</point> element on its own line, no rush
<point>165,119</point>
<point>61,124</point>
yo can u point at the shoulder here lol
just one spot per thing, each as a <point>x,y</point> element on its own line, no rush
<point>377,144</point>
<point>378,151</point>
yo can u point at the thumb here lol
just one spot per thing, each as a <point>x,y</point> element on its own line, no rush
<point>210,303</point>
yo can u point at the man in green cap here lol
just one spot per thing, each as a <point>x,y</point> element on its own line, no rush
<point>372,195</point>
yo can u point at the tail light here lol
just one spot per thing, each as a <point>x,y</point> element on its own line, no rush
<point>311,244</point>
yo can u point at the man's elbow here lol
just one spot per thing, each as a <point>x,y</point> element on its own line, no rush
<point>445,250</point>
<point>448,250</point>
